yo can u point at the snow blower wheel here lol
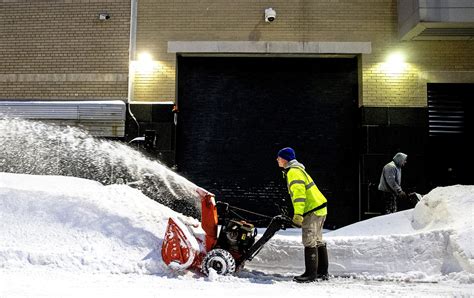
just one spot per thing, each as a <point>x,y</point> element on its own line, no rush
<point>220,260</point>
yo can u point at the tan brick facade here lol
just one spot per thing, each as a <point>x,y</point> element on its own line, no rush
<point>453,59</point>
<point>372,21</point>
<point>58,49</point>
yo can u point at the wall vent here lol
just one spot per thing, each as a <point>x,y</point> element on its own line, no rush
<point>445,113</point>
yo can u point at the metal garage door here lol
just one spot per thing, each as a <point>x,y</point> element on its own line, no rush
<point>236,112</point>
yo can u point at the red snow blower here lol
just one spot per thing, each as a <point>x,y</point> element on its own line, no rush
<point>187,246</point>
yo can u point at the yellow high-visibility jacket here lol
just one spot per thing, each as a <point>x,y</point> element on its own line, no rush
<point>304,193</point>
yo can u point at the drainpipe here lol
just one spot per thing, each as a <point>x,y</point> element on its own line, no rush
<point>132,57</point>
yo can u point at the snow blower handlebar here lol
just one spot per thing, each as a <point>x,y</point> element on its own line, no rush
<point>279,222</point>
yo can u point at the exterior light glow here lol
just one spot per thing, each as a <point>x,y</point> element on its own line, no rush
<point>395,64</point>
<point>144,64</point>
<point>144,57</point>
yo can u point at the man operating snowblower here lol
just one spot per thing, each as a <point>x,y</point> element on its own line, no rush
<point>310,212</point>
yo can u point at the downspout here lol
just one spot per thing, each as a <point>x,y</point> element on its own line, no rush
<point>132,57</point>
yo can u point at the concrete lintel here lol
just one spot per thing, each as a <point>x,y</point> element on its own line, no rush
<point>269,47</point>
<point>446,77</point>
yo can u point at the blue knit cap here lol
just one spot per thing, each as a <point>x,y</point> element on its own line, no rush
<point>287,154</point>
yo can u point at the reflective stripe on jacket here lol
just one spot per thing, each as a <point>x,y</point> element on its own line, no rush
<point>304,193</point>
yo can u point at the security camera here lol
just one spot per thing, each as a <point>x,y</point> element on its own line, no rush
<point>270,15</point>
<point>104,16</point>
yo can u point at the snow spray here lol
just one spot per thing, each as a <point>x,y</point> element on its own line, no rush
<point>36,148</point>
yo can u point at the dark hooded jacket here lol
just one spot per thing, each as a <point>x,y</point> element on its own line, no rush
<point>391,178</point>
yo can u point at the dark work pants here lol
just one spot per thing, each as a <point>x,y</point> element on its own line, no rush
<point>390,202</point>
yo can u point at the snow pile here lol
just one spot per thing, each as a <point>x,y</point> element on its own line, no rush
<point>82,226</point>
<point>432,241</point>
<point>74,223</point>
<point>451,209</point>
<point>435,238</point>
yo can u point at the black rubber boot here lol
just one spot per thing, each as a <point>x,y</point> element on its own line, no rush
<point>311,265</point>
<point>323,263</point>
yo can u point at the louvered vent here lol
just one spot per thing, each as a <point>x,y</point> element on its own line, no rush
<point>448,32</point>
<point>445,113</point>
<point>100,118</point>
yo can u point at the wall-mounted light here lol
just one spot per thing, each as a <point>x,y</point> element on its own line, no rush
<point>103,16</point>
<point>395,63</point>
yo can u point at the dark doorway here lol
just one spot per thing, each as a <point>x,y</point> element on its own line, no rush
<point>237,112</point>
<point>451,131</point>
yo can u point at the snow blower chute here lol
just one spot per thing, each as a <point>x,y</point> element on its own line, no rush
<point>187,246</point>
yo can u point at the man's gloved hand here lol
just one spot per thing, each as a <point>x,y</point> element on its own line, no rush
<point>298,220</point>
<point>403,195</point>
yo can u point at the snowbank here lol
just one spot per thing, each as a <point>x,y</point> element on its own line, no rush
<point>74,223</point>
<point>81,225</point>
<point>431,241</point>
<point>450,209</point>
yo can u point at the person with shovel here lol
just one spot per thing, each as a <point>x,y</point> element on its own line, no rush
<point>390,182</point>
<point>310,211</point>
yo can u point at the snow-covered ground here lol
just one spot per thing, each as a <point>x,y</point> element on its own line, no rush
<point>71,237</point>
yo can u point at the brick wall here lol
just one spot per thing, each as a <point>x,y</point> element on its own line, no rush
<point>303,21</point>
<point>408,88</point>
<point>59,49</point>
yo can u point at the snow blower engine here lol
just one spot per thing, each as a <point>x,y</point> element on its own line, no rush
<point>190,246</point>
